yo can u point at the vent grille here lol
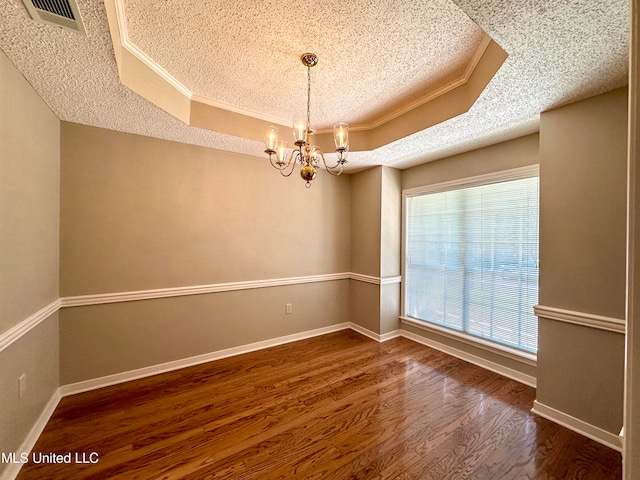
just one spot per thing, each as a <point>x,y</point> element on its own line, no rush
<point>61,13</point>
<point>57,7</point>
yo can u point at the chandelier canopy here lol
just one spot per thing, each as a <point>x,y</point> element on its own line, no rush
<point>305,153</point>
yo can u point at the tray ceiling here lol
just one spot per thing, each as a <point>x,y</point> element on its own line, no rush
<point>376,58</point>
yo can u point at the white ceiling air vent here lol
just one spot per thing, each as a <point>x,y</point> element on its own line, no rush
<point>61,13</point>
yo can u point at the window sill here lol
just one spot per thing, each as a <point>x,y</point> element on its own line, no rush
<point>502,350</point>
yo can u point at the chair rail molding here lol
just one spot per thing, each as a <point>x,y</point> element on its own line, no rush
<point>23,327</point>
<point>579,318</point>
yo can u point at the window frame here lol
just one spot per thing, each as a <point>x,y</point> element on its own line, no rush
<point>467,182</point>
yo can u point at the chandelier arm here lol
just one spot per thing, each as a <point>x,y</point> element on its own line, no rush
<point>332,169</point>
<point>332,172</point>
<point>284,166</point>
<point>289,163</point>
<point>275,165</point>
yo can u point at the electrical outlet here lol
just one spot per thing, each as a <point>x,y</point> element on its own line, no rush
<point>22,385</point>
<point>288,308</point>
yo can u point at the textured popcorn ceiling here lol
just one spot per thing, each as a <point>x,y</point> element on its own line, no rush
<point>246,54</point>
<point>372,55</point>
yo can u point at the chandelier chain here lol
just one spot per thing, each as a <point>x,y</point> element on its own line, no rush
<point>308,98</point>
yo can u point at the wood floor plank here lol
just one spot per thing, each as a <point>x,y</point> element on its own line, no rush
<point>338,406</point>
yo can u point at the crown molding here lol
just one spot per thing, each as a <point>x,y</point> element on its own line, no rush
<point>144,76</point>
<point>453,84</point>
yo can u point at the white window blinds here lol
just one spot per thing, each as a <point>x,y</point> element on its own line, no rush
<point>471,260</point>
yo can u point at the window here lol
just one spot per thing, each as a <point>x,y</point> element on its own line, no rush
<point>471,257</point>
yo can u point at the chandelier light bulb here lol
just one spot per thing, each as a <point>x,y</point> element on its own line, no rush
<point>271,139</point>
<point>281,153</point>
<point>300,128</point>
<point>341,136</point>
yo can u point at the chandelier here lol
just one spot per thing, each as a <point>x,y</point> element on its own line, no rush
<point>305,153</point>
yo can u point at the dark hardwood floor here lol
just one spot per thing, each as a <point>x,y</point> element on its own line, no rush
<point>339,406</point>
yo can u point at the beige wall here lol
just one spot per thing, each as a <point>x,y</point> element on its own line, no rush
<point>365,247</point>
<point>496,158</point>
<point>141,213</point>
<point>516,153</point>
<point>583,205</point>
<point>391,222</point>
<point>364,305</point>
<point>29,211</point>
<point>29,199</point>
<point>581,372</point>
<point>389,308</point>
<point>582,256</point>
<point>390,248</point>
<point>35,354</point>
<point>375,247</point>
<point>365,221</point>
<point>101,340</point>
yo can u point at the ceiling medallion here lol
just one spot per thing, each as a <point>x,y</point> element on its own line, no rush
<point>305,153</point>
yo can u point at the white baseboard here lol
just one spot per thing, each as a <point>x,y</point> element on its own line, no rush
<point>373,335</point>
<point>106,381</point>
<point>389,335</point>
<point>13,469</point>
<point>364,331</point>
<point>476,360</point>
<point>597,434</point>
<point>95,383</point>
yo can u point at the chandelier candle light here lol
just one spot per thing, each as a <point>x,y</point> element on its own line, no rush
<point>305,153</point>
